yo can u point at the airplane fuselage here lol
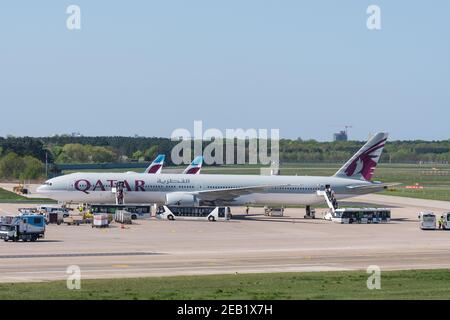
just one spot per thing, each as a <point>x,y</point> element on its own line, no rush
<point>140,188</point>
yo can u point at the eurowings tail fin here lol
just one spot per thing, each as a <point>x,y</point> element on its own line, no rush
<point>156,166</point>
<point>195,166</point>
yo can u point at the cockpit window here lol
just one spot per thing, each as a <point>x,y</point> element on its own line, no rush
<point>47,183</point>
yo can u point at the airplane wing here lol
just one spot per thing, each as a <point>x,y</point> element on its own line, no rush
<point>373,187</point>
<point>230,194</point>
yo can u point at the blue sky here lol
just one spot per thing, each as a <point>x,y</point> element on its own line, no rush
<point>149,67</point>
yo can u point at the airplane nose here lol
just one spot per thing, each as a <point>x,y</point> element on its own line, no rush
<point>42,189</point>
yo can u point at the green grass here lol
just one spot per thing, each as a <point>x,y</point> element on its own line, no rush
<point>11,197</point>
<point>408,284</point>
<point>8,195</point>
<point>428,193</point>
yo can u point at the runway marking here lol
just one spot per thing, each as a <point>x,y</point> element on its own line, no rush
<point>67,255</point>
<point>120,266</point>
<point>168,269</point>
<point>102,272</point>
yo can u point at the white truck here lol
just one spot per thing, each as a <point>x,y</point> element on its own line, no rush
<point>427,220</point>
<point>53,213</point>
<point>24,227</point>
<point>446,219</point>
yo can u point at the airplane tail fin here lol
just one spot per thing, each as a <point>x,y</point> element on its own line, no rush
<point>156,166</point>
<point>195,166</point>
<point>362,165</point>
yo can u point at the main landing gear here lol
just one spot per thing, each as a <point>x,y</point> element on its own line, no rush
<point>310,213</point>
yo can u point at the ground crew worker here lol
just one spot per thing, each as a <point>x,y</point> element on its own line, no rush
<point>441,222</point>
<point>247,209</point>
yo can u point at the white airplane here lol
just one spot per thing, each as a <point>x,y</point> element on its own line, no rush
<point>354,178</point>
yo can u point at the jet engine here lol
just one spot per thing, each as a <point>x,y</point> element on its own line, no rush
<point>181,199</point>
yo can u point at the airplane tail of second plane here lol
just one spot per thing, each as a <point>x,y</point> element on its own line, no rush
<point>195,166</point>
<point>156,166</point>
<point>362,165</point>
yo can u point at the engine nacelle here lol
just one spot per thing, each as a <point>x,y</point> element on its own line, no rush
<point>181,199</point>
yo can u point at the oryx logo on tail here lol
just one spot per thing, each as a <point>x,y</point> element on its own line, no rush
<point>365,164</point>
<point>362,164</point>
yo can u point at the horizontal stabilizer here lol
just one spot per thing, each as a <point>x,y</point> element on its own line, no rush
<point>374,187</point>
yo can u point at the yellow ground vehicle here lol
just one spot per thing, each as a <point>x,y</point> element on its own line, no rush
<point>20,189</point>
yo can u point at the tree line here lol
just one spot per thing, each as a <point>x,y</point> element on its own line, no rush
<point>25,156</point>
<point>146,148</point>
<point>13,166</point>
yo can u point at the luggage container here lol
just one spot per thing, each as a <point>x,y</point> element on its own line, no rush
<point>74,220</point>
<point>123,216</point>
<point>54,217</point>
<point>274,212</point>
<point>101,221</point>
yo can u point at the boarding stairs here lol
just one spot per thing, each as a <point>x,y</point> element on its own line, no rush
<point>330,199</point>
<point>119,193</point>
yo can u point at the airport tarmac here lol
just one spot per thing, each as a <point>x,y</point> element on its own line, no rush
<point>245,244</point>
